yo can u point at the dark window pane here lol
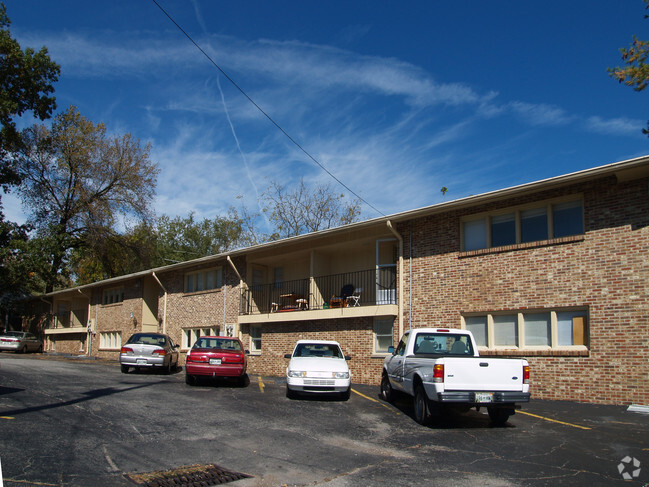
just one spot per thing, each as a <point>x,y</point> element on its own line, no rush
<point>568,219</point>
<point>534,225</point>
<point>503,230</point>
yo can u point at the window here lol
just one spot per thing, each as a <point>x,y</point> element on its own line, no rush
<point>111,339</point>
<point>113,295</point>
<point>255,338</point>
<point>278,277</point>
<point>547,329</point>
<point>203,280</point>
<point>190,335</point>
<point>383,333</point>
<point>522,225</point>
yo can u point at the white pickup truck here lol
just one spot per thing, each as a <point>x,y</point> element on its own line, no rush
<point>441,369</point>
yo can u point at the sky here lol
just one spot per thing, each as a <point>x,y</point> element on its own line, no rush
<point>395,99</point>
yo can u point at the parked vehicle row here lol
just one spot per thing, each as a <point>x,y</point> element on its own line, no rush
<point>440,368</point>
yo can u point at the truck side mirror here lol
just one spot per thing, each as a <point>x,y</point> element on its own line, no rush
<point>391,349</point>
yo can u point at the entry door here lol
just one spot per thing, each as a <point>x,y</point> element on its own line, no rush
<point>386,271</point>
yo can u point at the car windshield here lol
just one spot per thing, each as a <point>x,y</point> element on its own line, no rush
<point>318,350</point>
<point>220,343</point>
<point>148,339</point>
<point>442,344</point>
<point>17,334</point>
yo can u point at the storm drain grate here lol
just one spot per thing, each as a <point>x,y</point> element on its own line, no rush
<point>189,476</point>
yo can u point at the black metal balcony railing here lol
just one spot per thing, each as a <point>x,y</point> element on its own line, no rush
<point>70,319</point>
<point>361,288</point>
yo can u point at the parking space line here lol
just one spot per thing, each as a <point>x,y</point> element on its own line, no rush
<point>7,417</point>
<point>374,400</point>
<point>261,384</point>
<point>554,420</point>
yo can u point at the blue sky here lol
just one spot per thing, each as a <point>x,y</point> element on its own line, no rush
<point>396,99</point>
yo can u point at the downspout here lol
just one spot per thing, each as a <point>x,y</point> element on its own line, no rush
<point>88,328</point>
<point>400,239</point>
<point>164,306</point>
<point>234,268</point>
<point>51,312</point>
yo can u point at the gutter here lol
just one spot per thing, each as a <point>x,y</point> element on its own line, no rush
<point>164,309</point>
<point>400,239</point>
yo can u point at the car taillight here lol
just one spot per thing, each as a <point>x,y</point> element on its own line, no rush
<point>194,358</point>
<point>438,373</point>
<point>233,359</point>
<point>160,351</point>
<point>526,374</point>
<point>126,350</point>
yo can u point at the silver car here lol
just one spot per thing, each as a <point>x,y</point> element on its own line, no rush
<point>146,350</point>
<point>20,342</point>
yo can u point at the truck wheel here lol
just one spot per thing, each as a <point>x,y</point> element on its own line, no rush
<point>499,416</point>
<point>420,404</point>
<point>386,389</point>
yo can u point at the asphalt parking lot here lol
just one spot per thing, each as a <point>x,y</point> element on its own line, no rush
<point>66,422</point>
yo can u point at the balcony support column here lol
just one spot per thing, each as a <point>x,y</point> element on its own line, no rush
<point>400,302</point>
<point>164,306</point>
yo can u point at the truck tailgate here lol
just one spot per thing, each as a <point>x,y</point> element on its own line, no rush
<point>482,374</point>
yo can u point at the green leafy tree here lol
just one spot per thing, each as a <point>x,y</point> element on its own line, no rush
<point>635,72</point>
<point>78,184</point>
<point>180,239</point>
<point>302,210</point>
<point>26,79</point>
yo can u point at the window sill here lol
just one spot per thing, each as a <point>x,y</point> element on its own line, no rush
<point>110,349</point>
<point>109,305</point>
<point>536,352</point>
<point>380,355</point>
<point>521,246</point>
<point>204,291</point>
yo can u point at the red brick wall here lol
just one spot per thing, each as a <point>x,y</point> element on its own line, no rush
<point>606,271</point>
<point>354,335</point>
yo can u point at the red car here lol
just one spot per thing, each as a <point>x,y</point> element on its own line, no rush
<point>216,357</point>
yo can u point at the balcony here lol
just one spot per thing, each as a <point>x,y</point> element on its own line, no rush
<point>73,321</point>
<point>299,299</point>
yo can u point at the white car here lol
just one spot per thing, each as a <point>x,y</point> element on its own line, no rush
<point>318,366</point>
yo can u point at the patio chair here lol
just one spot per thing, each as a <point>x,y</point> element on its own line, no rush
<point>341,301</point>
<point>354,299</point>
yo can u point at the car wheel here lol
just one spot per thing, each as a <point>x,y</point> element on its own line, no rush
<point>23,349</point>
<point>345,395</point>
<point>387,394</point>
<point>124,369</point>
<point>420,405</point>
<point>289,393</point>
<point>190,380</point>
<point>40,348</point>
<point>499,416</point>
<point>166,369</point>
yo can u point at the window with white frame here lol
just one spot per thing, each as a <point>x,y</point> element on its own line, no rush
<point>544,329</point>
<point>112,295</point>
<point>383,334</point>
<point>110,339</point>
<point>543,221</point>
<point>204,280</point>
<point>255,338</point>
<point>190,335</point>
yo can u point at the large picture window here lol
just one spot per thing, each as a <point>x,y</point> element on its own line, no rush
<point>203,280</point>
<point>112,296</point>
<point>523,225</point>
<point>546,329</point>
<point>190,335</point>
<point>110,340</point>
<point>255,339</point>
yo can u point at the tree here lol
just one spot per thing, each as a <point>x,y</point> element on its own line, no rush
<point>635,73</point>
<point>77,182</point>
<point>26,79</point>
<point>301,211</point>
<point>180,239</point>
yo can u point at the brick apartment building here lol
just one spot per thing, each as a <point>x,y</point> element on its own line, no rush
<point>556,271</point>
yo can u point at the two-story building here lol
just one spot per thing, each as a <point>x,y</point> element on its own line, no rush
<point>556,271</point>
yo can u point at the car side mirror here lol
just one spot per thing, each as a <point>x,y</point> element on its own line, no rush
<point>348,357</point>
<point>391,349</point>
<point>287,355</point>
<point>247,352</point>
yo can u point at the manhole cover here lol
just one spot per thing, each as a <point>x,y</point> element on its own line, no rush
<point>190,476</point>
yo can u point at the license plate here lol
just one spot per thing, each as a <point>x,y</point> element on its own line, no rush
<point>141,361</point>
<point>484,397</point>
<point>215,361</point>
